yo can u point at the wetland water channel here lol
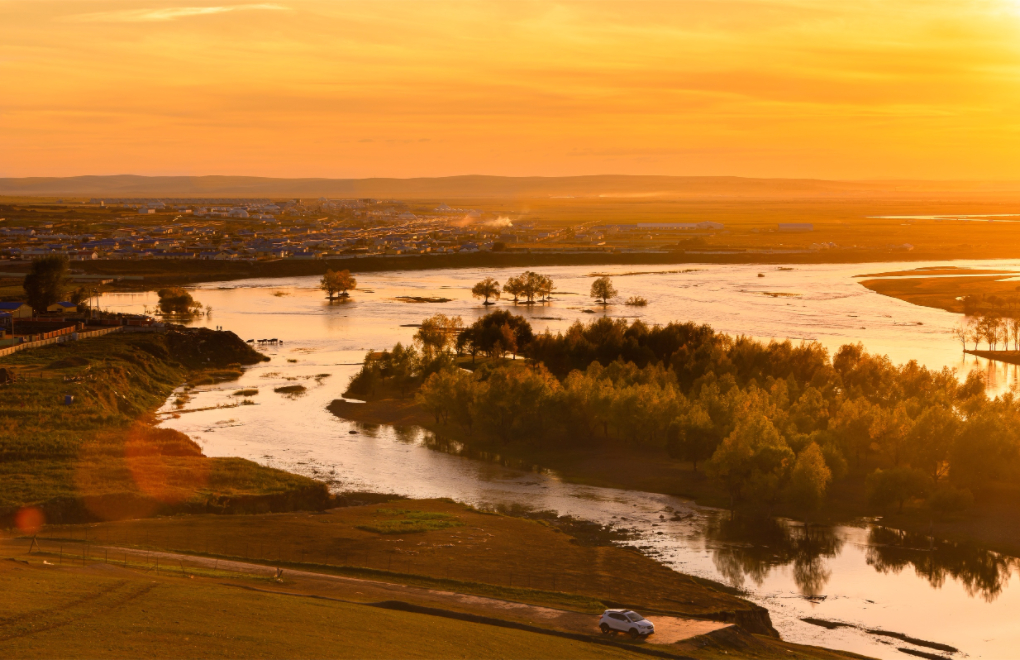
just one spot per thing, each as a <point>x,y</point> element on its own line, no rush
<point>863,576</point>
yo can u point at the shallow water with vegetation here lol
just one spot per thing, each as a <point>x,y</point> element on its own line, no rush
<point>853,583</point>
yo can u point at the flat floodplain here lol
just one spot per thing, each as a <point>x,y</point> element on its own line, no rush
<point>827,304</point>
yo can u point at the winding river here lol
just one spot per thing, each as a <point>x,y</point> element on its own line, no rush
<point>866,578</point>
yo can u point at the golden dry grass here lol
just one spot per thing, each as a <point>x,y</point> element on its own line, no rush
<point>99,457</point>
<point>943,292</point>
<point>505,554</point>
<point>108,612</point>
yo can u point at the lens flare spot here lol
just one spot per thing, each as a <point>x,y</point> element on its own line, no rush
<point>29,520</point>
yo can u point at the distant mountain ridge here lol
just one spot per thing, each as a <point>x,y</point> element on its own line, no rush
<point>481,186</point>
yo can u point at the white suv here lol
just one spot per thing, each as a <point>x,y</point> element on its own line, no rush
<point>625,621</point>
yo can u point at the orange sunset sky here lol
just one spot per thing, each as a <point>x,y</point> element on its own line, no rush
<point>334,88</point>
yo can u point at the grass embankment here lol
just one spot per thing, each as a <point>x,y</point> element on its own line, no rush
<point>100,458</point>
<point>993,522</point>
<point>108,612</point>
<point>475,553</point>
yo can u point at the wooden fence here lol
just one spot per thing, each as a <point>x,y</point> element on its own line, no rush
<point>60,337</point>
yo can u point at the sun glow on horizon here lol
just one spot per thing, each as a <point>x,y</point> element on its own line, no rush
<point>799,88</point>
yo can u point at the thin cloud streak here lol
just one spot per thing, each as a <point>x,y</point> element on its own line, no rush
<point>166,14</point>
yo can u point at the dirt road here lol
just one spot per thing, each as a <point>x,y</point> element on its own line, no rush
<point>298,583</point>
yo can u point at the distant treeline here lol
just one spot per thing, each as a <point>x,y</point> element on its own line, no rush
<point>772,422</point>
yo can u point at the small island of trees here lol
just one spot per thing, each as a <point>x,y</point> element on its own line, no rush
<point>338,284</point>
<point>529,285</point>
<point>773,425</point>
<point>487,288</point>
<point>602,290</point>
<point>177,302</point>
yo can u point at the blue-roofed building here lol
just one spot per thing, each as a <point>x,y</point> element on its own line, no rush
<point>17,310</point>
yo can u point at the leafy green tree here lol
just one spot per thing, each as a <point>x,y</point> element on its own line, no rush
<point>465,393</point>
<point>890,430</point>
<point>852,425</point>
<point>436,395</point>
<point>545,287</point>
<point>602,290</point>
<point>81,297</point>
<point>487,288</point>
<point>752,463</point>
<point>693,437</point>
<point>176,301</point>
<point>402,367</point>
<point>947,500</point>
<point>534,285</point>
<point>448,394</point>
<point>45,282</point>
<point>931,441</point>
<point>484,334</point>
<point>585,402</point>
<point>338,283</point>
<point>513,401</point>
<point>987,448</point>
<point>642,412</point>
<point>437,334</point>
<point>896,485</point>
<point>809,479</point>
<point>834,458</point>
<point>515,287</point>
<point>810,412</point>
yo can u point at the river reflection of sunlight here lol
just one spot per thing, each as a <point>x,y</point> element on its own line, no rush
<point>855,575</point>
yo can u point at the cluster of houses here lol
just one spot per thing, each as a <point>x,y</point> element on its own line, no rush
<point>257,229</point>
<point>13,313</point>
<point>209,231</point>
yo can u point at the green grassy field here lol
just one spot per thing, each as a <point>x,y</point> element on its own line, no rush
<point>109,612</point>
<point>110,592</point>
<point>504,556</point>
<point>99,458</point>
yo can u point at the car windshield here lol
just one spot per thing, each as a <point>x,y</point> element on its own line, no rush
<point>634,616</point>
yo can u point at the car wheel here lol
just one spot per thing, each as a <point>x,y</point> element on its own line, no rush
<point>633,633</point>
<point>605,629</point>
